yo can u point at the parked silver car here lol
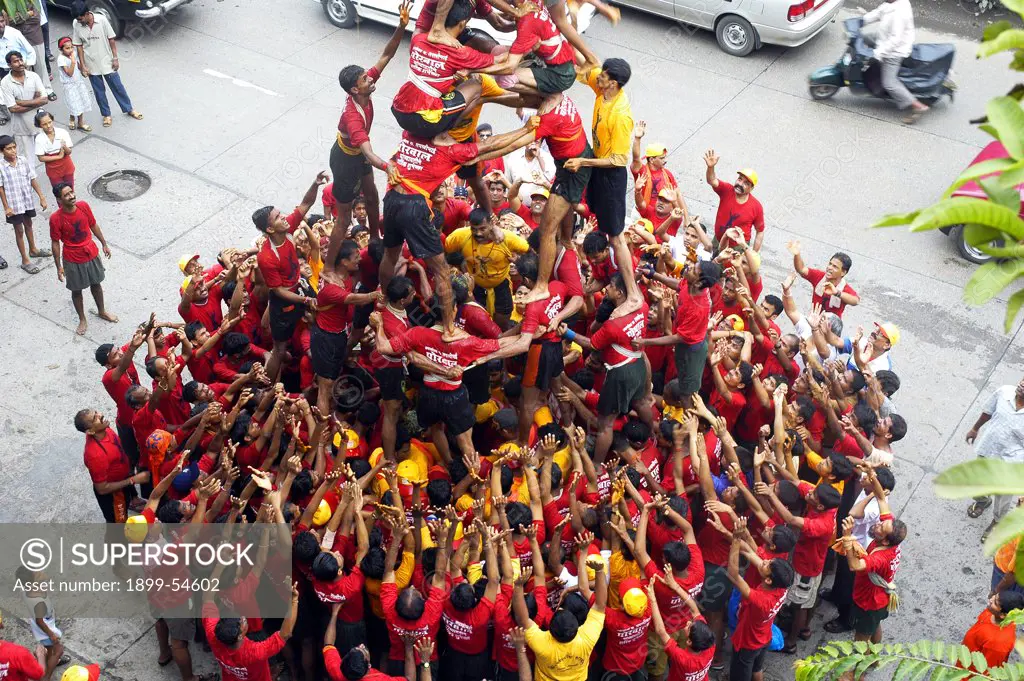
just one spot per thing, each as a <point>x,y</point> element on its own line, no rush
<point>744,25</point>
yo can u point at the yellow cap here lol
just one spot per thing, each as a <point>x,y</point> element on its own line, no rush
<point>891,331</point>
<point>543,417</point>
<point>655,150</point>
<point>75,673</point>
<point>351,439</point>
<point>634,602</point>
<point>750,174</point>
<point>736,322</point>
<point>409,470</point>
<point>540,191</point>
<point>185,260</point>
<point>136,527</point>
<point>667,193</point>
<point>322,514</point>
<point>644,223</point>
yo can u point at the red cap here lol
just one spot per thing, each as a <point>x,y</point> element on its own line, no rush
<point>437,473</point>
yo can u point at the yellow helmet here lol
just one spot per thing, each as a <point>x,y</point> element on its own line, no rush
<point>185,260</point>
<point>136,527</point>
<point>75,673</point>
<point>750,174</point>
<point>322,513</point>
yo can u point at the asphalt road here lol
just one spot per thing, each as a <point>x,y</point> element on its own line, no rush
<point>241,103</point>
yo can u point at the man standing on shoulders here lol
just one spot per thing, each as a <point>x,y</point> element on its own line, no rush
<point>893,40</point>
<point>737,207</point>
<point>1003,439</point>
<point>73,227</point>
<point>93,37</point>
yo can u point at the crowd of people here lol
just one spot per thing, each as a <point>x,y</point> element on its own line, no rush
<point>516,432</point>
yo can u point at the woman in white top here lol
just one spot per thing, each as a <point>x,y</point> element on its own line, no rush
<point>53,148</point>
<point>77,92</point>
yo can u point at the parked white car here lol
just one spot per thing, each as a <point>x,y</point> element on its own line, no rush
<point>345,14</point>
<point>741,26</point>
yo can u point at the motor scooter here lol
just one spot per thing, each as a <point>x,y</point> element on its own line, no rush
<point>925,72</point>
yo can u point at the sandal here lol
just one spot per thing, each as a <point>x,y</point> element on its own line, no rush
<point>789,649</point>
<point>64,659</point>
<point>3,263</point>
<point>107,121</point>
<point>73,125</point>
<point>52,96</point>
<point>914,116</point>
<point>164,663</point>
<point>85,127</point>
<point>30,267</point>
<point>135,114</point>
<point>978,507</point>
<point>41,253</point>
<point>804,635</point>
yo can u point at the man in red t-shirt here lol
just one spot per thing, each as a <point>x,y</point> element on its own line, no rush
<point>537,34</point>
<point>830,288</point>
<point>737,207</point>
<point>625,652</point>
<point>690,650</point>
<point>120,375</point>
<point>466,622</point>
<point>240,658</point>
<point>728,397</point>
<point>817,529</point>
<point>19,663</point>
<point>352,157</point>
<point>421,166</point>
<point>279,264</point>
<point>758,607</point>
<point>72,228</point>
<point>109,467</point>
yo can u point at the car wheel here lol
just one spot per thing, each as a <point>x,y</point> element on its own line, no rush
<point>967,251</point>
<point>341,13</point>
<point>820,92</point>
<point>106,10</point>
<point>736,36</point>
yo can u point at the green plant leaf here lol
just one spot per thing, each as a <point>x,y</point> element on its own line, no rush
<point>986,128</point>
<point>1006,196</point>
<point>830,651</point>
<point>867,662</point>
<point>903,669</point>
<point>1014,5</point>
<point>1013,670</point>
<point>964,656</point>
<point>1014,175</point>
<point>990,279</point>
<point>897,219</point>
<point>1007,529</point>
<point>921,670</point>
<point>846,647</point>
<point>979,477</point>
<point>1012,39</point>
<point>1017,63</point>
<point>1019,574</point>
<point>938,650</point>
<point>961,210</point>
<point>1005,114</point>
<point>844,665</point>
<point>994,29</point>
<point>992,165</point>
<point>860,646</point>
<point>979,662</point>
<point>1013,306</point>
<point>979,235</point>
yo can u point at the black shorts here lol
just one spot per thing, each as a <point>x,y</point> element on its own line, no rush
<point>552,79</point>
<point>472,171</point>
<point>451,407</point>
<point>502,674</point>
<point>361,314</point>
<point>284,317</point>
<point>478,384</point>
<point>453,106</point>
<point>502,297</point>
<point>349,635</point>
<point>390,380</point>
<point>407,219</point>
<point>543,364</point>
<point>866,622</point>
<point>348,172</point>
<point>623,386</point>
<point>21,218</point>
<point>569,185</point>
<point>606,196</point>
<point>745,662</point>
<point>328,351</point>
<point>456,666</point>
<point>690,362</point>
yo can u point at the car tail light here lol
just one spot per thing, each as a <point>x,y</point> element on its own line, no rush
<point>801,10</point>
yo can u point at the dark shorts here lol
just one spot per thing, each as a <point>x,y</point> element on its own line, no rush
<point>866,622</point>
<point>552,79</point>
<point>714,597</point>
<point>478,384</point>
<point>502,297</point>
<point>690,361</point>
<point>454,105</point>
<point>451,407</point>
<point>81,275</point>
<point>361,315</point>
<point>623,386</point>
<point>569,185</point>
<point>390,380</point>
<point>328,351</point>
<point>543,364</point>
<point>349,635</point>
<point>407,219</point>
<point>456,666</point>
<point>502,674</point>
<point>21,218</point>
<point>180,628</point>
<point>606,196</point>
<point>348,172</point>
<point>284,317</point>
<point>745,662</point>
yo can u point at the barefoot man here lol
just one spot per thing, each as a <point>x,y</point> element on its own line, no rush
<point>72,228</point>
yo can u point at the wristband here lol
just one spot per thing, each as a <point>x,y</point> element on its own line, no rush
<point>886,516</point>
<point>570,335</point>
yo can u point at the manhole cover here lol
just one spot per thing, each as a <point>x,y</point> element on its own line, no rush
<point>121,185</point>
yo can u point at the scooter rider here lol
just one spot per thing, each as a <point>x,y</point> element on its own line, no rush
<point>893,40</point>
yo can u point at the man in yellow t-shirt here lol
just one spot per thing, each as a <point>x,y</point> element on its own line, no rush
<point>563,652</point>
<point>612,133</point>
<point>489,251</point>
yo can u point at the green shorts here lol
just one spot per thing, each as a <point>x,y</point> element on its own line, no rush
<point>866,622</point>
<point>552,79</point>
<point>623,386</point>
<point>569,185</point>
<point>714,597</point>
<point>657,659</point>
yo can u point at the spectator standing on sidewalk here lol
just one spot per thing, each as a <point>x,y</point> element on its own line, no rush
<point>1002,439</point>
<point>93,37</point>
<point>24,15</point>
<point>17,184</point>
<point>23,92</point>
<point>77,93</point>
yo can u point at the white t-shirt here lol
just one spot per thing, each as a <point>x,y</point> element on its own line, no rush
<point>44,147</point>
<point>862,526</point>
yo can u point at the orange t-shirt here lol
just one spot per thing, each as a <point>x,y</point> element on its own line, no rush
<point>991,640</point>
